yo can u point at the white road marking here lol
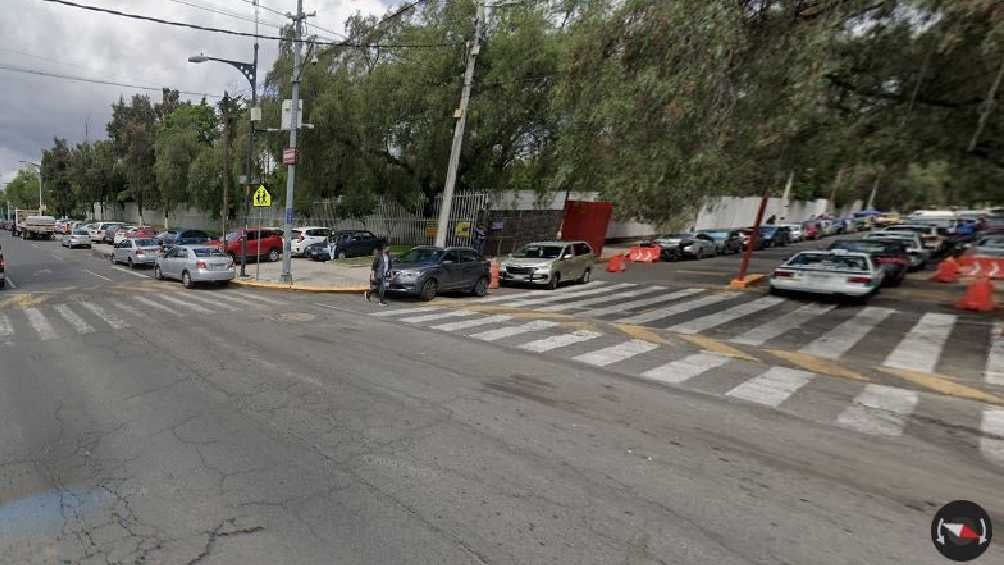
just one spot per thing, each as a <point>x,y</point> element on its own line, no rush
<point>113,320</point>
<point>553,297</point>
<point>400,311</point>
<point>214,303</point>
<point>562,290</point>
<point>238,300</point>
<point>620,307</point>
<point>840,339</point>
<point>687,368</point>
<point>6,329</point>
<point>704,323</point>
<point>616,353</point>
<point>40,323</point>
<point>879,410</point>
<point>10,282</point>
<point>994,372</point>
<point>601,299</point>
<point>773,386</point>
<point>133,273</point>
<point>256,296</point>
<point>772,328</point>
<point>464,324</point>
<point>97,275</point>
<point>558,341</point>
<point>509,331</point>
<point>437,316</point>
<point>156,305</point>
<point>73,319</point>
<point>680,308</point>
<point>921,348</point>
<point>184,304</point>
<point>993,425</point>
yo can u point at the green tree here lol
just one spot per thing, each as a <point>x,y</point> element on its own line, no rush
<point>22,191</point>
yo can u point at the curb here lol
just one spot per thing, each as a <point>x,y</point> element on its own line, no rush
<point>747,281</point>
<point>301,287</point>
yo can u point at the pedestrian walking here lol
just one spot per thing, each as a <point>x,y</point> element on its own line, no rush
<point>379,274</point>
<point>480,238</point>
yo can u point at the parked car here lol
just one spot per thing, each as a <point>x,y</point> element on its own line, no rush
<point>916,253</point>
<point>549,263</point>
<point>887,219</point>
<point>318,252</point>
<point>3,270</point>
<point>77,238</point>
<point>355,243</point>
<point>828,272</point>
<point>111,231</point>
<point>810,230</point>
<point>121,233</point>
<point>261,243</point>
<point>933,237</point>
<point>774,236</point>
<point>427,271</point>
<point>794,232</point>
<point>727,242</point>
<point>192,264</point>
<point>135,252</point>
<point>696,245</point>
<point>305,236</point>
<point>142,232</point>
<point>747,234</point>
<point>890,255</point>
<point>989,246</point>
<point>171,237</point>
<point>97,230</point>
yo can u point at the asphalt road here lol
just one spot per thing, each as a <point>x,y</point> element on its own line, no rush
<point>140,423</point>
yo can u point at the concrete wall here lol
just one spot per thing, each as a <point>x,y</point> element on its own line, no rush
<point>736,212</point>
<point>181,216</point>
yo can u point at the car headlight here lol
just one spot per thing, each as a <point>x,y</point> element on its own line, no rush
<point>407,276</point>
<point>542,268</point>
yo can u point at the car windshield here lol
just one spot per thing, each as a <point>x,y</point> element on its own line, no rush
<point>422,255</point>
<point>146,243</point>
<point>208,252</point>
<point>539,251</point>
<point>829,261</point>
<point>716,234</point>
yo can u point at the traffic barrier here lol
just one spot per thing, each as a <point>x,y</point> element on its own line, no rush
<point>978,266</point>
<point>493,281</point>
<point>617,264</point>
<point>644,254</point>
<point>979,296</point>
<point>948,271</point>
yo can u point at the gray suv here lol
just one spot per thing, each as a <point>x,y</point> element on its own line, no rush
<point>549,263</point>
<point>426,271</point>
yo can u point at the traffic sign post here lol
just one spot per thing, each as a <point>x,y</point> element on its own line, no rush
<point>289,156</point>
<point>261,198</point>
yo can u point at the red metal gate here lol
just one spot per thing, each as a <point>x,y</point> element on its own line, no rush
<point>587,221</point>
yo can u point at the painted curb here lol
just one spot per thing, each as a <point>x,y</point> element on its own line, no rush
<point>302,288</point>
<point>747,281</point>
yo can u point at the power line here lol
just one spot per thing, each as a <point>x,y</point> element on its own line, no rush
<point>96,81</point>
<point>215,10</point>
<point>239,33</point>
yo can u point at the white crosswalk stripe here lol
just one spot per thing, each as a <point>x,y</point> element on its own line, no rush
<point>157,305</point>
<point>185,304</point>
<point>993,425</point>
<point>683,370</point>
<point>574,304</point>
<point>118,304</point>
<point>243,300</point>
<point>680,308</point>
<point>560,340</point>
<point>466,324</point>
<point>510,331</point>
<point>922,346</point>
<point>553,297</point>
<point>704,323</point>
<point>616,353</point>
<point>623,307</point>
<point>6,328</point>
<point>558,291</point>
<point>879,410</point>
<point>772,387</point>
<point>438,316</point>
<point>774,327</point>
<point>840,339</point>
<point>209,302</point>
<point>252,297</point>
<point>40,323</point>
<point>79,324</point>
<point>404,311</point>
<point>994,373</point>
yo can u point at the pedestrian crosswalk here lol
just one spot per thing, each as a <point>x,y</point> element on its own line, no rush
<point>862,407</point>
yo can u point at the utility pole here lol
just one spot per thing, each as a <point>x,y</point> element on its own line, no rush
<point>227,129</point>
<point>458,131</point>
<point>294,124</point>
<point>248,182</point>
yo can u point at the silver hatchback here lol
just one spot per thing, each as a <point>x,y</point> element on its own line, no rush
<point>193,264</point>
<point>134,252</point>
<point>549,263</point>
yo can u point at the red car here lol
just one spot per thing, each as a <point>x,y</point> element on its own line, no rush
<point>141,232</point>
<point>262,242</point>
<point>810,230</point>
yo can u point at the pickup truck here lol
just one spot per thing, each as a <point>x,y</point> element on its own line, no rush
<point>37,227</point>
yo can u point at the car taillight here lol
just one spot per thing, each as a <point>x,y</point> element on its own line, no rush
<point>859,280</point>
<point>783,274</point>
<point>200,264</point>
<point>140,254</point>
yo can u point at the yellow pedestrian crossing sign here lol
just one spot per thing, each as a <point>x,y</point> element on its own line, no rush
<point>261,198</point>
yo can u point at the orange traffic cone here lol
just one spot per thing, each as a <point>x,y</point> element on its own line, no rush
<point>617,264</point>
<point>493,282</point>
<point>948,271</point>
<point>979,296</point>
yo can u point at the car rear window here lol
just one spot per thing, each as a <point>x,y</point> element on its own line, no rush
<point>79,232</point>
<point>146,243</point>
<point>861,246</point>
<point>539,251</point>
<point>829,261</point>
<point>208,252</point>
<point>317,232</point>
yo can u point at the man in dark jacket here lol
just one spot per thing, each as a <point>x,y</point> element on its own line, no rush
<point>379,273</point>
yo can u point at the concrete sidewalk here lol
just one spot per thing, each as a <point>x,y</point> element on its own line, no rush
<point>309,276</point>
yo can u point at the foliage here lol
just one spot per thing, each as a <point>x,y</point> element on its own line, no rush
<point>22,191</point>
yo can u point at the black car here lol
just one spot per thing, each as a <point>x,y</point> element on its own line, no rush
<point>426,271</point>
<point>774,236</point>
<point>726,241</point>
<point>889,255</point>
<point>317,252</point>
<point>355,243</point>
<point>170,238</point>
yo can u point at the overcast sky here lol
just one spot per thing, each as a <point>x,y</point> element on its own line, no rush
<point>60,39</point>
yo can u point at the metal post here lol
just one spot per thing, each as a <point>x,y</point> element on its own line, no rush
<point>250,157</point>
<point>458,131</point>
<point>226,168</point>
<point>754,237</point>
<point>287,263</point>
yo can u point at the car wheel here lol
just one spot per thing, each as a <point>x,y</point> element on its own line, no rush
<point>157,274</point>
<point>480,288</point>
<point>700,254</point>
<point>273,255</point>
<point>586,275</point>
<point>429,290</point>
<point>774,291</point>
<point>186,279</point>
<point>131,264</point>
<point>342,255</point>
<point>554,282</point>
<point>3,283</point>
<point>112,258</point>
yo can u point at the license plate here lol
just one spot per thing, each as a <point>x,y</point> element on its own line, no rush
<point>519,277</point>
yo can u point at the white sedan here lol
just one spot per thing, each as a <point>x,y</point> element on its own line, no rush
<point>828,272</point>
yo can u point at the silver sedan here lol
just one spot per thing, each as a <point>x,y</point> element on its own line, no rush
<point>193,264</point>
<point>77,237</point>
<point>135,252</point>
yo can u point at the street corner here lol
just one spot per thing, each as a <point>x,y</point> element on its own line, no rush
<point>300,287</point>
